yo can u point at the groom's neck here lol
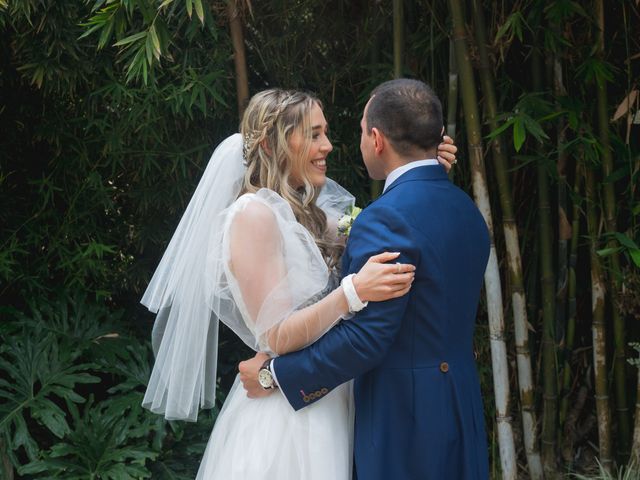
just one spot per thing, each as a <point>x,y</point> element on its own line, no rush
<point>396,161</point>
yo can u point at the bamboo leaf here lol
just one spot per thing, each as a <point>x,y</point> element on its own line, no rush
<point>189,6</point>
<point>625,105</point>
<point>616,175</point>
<point>513,26</point>
<point>596,70</point>
<point>635,256</point>
<point>561,10</point>
<point>534,128</point>
<point>148,49</point>
<point>519,133</point>
<point>130,39</point>
<point>199,10</point>
<point>105,36</point>
<point>136,64</point>
<point>90,31</point>
<point>626,241</point>
<point>144,72</point>
<point>156,42</point>
<point>605,252</point>
<point>501,129</point>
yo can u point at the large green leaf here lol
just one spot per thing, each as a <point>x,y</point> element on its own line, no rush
<point>104,442</point>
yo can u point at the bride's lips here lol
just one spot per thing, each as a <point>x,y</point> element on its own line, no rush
<point>320,164</point>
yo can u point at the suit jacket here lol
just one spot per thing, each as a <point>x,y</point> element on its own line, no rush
<point>418,407</point>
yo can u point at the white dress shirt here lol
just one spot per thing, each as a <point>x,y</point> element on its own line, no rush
<point>395,174</point>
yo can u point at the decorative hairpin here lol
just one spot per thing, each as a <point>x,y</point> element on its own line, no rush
<point>247,142</point>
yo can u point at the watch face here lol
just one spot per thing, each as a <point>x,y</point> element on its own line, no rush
<point>265,378</point>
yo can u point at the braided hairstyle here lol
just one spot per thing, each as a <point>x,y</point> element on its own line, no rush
<point>267,124</point>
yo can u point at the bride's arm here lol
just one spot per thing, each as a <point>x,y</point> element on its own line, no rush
<point>257,263</point>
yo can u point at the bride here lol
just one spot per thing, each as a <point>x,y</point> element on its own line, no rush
<point>258,249</point>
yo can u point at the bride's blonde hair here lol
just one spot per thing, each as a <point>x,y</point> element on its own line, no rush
<point>267,124</point>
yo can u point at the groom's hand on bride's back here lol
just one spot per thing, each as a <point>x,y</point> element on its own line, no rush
<point>447,153</point>
<point>249,375</point>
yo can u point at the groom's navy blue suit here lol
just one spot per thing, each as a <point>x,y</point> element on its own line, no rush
<point>418,407</point>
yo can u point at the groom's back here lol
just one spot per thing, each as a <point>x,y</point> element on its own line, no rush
<point>454,245</point>
<point>425,416</point>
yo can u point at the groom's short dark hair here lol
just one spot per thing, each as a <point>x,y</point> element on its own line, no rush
<point>408,112</point>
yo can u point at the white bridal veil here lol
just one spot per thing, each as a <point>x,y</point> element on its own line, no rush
<point>277,273</point>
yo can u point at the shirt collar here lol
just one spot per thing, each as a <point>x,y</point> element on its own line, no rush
<point>395,174</point>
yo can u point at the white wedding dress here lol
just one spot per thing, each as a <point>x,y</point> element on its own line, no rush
<point>248,263</point>
<point>275,291</point>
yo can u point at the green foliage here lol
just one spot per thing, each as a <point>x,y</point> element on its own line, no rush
<point>40,369</point>
<point>625,472</point>
<point>528,117</point>
<point>141,29</point>
<point>513,27</point>
<point>106,154</point>
<point>72,382</point>
<point>626,245</point>
<point>106,442</point>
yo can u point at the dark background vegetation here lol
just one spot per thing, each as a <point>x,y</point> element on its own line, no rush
<point>109,111</point>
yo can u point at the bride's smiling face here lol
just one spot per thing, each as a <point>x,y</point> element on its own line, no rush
<point>313,164</point>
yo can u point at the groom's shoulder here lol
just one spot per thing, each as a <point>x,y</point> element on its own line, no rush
<point>380,212</point>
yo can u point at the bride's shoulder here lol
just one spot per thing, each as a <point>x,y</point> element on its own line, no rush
<point>265,203</point>
<point>262,208</point>
<point>252,208</point>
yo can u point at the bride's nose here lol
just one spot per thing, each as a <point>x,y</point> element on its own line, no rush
<point>326,146</point>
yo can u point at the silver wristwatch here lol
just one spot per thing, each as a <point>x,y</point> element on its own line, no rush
<point>265,376</point>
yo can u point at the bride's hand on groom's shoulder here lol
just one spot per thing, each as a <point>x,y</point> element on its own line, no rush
<point>447,153</point>
<point>378,280</point>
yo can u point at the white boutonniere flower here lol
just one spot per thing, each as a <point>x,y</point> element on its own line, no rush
<point>346,221</point>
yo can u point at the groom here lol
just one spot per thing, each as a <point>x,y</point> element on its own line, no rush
<point>419,413</point>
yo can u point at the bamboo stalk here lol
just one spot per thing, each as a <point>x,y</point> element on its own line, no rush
<point>239,55</point>
<point>564,228</point>
<point>398,38</point>
<point>514,261</point>
<point>452,97</point>
<point>550,398</point>
<point>635,448</point>
<point>615,277</point>
<point>598,290</point>
<point>545,236</point>
<point>375,186</point>
<point>571,322</point>
<point>492,275</point>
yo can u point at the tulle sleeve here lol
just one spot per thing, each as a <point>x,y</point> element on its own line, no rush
<point>272,281</point>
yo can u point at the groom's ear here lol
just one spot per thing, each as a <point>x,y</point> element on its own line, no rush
<point>378,140</point>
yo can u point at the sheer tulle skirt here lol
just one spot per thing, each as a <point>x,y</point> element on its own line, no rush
<point>265,438</point>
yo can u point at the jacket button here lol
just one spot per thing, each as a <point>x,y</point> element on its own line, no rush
<point>444,367</point>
